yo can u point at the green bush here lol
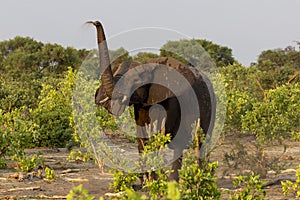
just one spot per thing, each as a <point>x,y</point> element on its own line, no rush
<point>89,122</point>
<point>195,183</point>
<point>132,195</point>
<point>241,78</point>
<point>53,114</point>
<point>158,188</point>
<point>15,94</point>
<point>123,181</point>
<point>173,191</point>
<point>15,129</point>
<point>250,188</point>
<point>76,155</point>
<point>278,117</point>
<point>290,187</point>
<point>78,193</point>
<point>238,103</point>
<point>28,163</point>
<point>242,91</point>
<point>50,174</point>
<point>198,182</point>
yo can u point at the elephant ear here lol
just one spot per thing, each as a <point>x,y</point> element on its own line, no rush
<point>124,67</point>
<point>131,77</point>
<point>154,81</point>
<point>141,75</point>
<point>170,78</point>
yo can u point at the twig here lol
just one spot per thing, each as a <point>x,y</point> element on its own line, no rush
<point>197,140</point>
<point>51,197</point>
<point>114,194</point>
<point>20,189</point>
<point>76,180</point>
<point>98,160</point>
<point>293,77</point>
<point>40,196</point>
<point>261,88</point>
<point>70,171</point>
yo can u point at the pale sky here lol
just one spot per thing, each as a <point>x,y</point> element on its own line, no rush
<point>246,26</point>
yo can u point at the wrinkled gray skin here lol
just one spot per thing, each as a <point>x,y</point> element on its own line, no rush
<point>154,102</point>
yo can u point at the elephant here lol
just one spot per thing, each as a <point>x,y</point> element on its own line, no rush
<point>159,90</point>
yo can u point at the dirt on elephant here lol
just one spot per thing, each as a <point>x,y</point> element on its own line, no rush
<point>277,165</point>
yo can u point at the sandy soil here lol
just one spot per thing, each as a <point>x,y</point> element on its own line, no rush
<point>88,174</point>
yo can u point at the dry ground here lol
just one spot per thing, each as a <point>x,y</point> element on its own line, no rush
<point>97,183</point>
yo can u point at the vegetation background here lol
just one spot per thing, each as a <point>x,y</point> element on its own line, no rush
<point>37,80</point>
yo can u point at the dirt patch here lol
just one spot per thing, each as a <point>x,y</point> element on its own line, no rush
<point>70,174</point>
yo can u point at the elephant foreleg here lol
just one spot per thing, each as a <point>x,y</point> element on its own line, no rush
<point>176,165</point>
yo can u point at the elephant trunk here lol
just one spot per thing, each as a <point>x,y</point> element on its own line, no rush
<point>105,67</point>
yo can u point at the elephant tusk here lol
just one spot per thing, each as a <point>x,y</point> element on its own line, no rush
<point>104,100</point>
<point>124,99</point>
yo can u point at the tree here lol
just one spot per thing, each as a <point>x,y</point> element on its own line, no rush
<point>26,44</point>
<point>278,66</point>
<point>144,56</point>
<point>25,64</point>
<point>56,59</point>
<point>16,94</point>
<point>118,56</point>
<point>270,59</point>
<point>220,55</point>
<point>22,56</point>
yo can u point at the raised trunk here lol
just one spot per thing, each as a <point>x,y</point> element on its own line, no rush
<point>105,67</point>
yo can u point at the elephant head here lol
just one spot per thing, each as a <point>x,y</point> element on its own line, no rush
<point>140,75</point>
<point>138,86</point>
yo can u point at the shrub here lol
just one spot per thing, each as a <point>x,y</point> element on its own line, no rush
<point>15,129</point>
<point>173,191</point>
<point>129,194</point>
<point>123,181</point>
<point>50,174</point>
<point>242,91</point>
<point>250,188</point>
<point>53,114</point>
<point>28,163</point>
<point>276,118</point>
<point>89,122</point>
<point>238,103</point>
<point>198,182</point>
<point>290,187</point>
<point>78,193</point>
<point>76,155</point>
<point>158,188</point>
<point>195,182</point>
